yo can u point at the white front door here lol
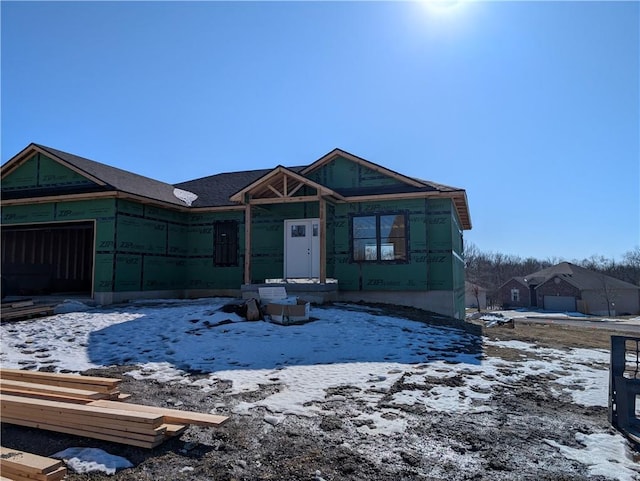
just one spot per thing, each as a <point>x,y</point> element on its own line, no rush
<point>301,248</point>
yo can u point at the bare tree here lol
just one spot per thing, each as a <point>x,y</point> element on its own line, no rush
<point>476,293</point>
<point>608,294</point>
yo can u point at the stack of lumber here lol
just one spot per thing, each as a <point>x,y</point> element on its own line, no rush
<point>13,311</point>
<point>91,407</point>
<point>20,466</point>
<point>59,387</point>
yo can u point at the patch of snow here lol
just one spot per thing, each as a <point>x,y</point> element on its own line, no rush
<point>157,371</point>
<point>88,460</point>
<point>71,305</point>
<point>384,422</point>
<point>185,196</point>
<point>605,454</point>
<point>314,369</point>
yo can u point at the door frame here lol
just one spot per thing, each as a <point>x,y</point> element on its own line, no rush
<point>313,246</point>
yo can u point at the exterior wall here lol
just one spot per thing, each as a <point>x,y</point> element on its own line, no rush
<point>341,173</point>
<point>553,288</point>
<point>434,262</point>
<point>101,211</point>
<point>40,173</point>
<point>202,275</point>
<point>440,302</point>
<point>267,241</point>
<point>457,256</point>
<point>623,302</point>
<point>504,295</point>
<point>146,251</point>
<point>385,275</point>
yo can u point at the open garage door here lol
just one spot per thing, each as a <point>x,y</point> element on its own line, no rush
<point>44,259</point>
<point>560,303</point>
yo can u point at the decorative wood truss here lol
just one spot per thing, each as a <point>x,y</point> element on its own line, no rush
<point>283,185</point>
<point>279,186</point>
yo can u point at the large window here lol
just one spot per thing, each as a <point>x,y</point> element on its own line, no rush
<point>226,243</point>
<point>515,295</point>
<point>379,237</point>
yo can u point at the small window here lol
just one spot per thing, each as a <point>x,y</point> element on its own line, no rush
<point>379,237</point>
<point>298,230</point>
<point>226,243</point>
<point>515,295</point>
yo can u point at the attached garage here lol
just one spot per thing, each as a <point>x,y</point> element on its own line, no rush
<point>560,303</point>
<point>51,258</point>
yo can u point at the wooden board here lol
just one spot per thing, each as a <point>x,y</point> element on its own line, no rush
<point>8,384</point>
<point>83,422</point>
<point>56,408</point>
<point>73,381</point>
<point>151,443</point>
<point>14,304</point>
<point>20,312</point>
<point>27,462</point>
<point>17,475</point>
<point>174,429</point>
<point>41,395</point>
<point>169,415</point>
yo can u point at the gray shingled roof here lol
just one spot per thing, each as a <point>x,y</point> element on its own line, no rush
<point>583,279</point>
<point>215,190</point>
<point>438,187</point>
<point>119,179</point>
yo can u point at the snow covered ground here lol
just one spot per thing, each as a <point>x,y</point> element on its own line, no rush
<point>438,369</point>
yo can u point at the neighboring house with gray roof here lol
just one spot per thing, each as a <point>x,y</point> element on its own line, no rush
<point>74,225</point>
<point>567,287</point>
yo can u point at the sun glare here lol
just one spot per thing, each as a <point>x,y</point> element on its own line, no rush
<point>443,6</point>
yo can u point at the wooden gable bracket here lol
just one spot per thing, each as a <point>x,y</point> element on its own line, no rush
<point>281,185</point>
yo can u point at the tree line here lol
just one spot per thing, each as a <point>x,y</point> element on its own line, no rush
<point>491,270</point>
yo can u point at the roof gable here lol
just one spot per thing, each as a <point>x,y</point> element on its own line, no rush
<point>358,179</point>
<point>103,177</point>
<point>40,173</point>
<point>341,170</point>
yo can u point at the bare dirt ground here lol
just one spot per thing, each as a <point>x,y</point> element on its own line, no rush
<point>505,441</point>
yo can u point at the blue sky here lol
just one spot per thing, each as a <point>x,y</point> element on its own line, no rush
<point>532,107</point>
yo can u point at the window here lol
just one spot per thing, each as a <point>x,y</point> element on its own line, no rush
<point>515,295</point>
<point>226,243</point>
<point>379,237</point>
<point>298,230</point>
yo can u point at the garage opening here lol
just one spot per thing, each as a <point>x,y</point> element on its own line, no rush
<point>46,259</point>
<point>560,303</point>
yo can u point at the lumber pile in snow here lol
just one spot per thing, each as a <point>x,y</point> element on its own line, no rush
<point>20,466</point>
<point>66,387</point>
<point>13,311</point>
<point>91,407</point>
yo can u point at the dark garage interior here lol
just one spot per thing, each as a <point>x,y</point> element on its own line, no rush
<point>42,259</point>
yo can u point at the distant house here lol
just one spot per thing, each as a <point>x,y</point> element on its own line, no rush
<point>566,287</point>
<point>355,229</point>
<point>475,295</point>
